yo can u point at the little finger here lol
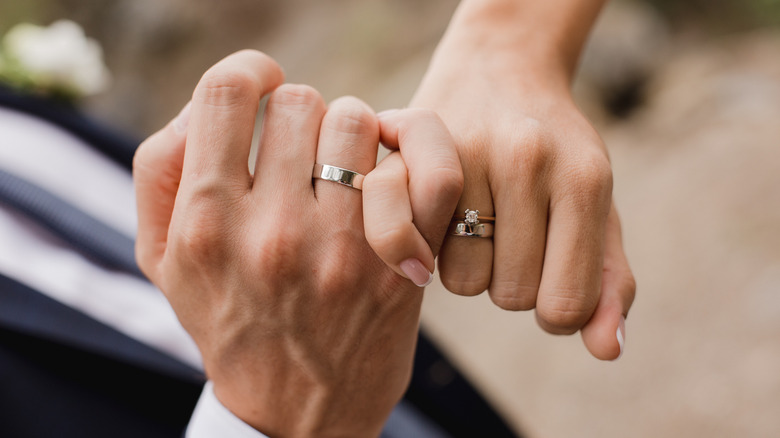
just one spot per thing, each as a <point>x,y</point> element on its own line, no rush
<point>388,222</point>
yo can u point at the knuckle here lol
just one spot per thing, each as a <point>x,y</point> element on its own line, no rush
<point>203,197</point>
<point>591,178</point>
<point>198,242</point>
<point>513,303</point>
<point>350,115</point>
<point>421,114</point>
<point>510,295</point>
<point>527,157</point>
<point>560,322</point>
<point>532,152</point>
<point>565,311</point>
<point>468,285</point>
<point>152,153</point>
<point>223,88</point>
<point>140,156</point>
<point>259,56</point>
<point>339,283</point>
<point>144,260</point>
<point>412,117</point>
<point>296,96</point>
<point>389,242</point>
<point>448,182</point>
<point>382,179</point>
<point>277,257</point>
<point>628,288</point>
<point>201,231</point>
<point>334,281</point>
<point>142,162</point>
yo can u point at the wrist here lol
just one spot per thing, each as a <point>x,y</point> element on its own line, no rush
<point>304,415</point>
<point>470,65</point>
<point>547,36</point>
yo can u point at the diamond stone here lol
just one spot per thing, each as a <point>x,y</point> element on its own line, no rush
<point>472,217</point>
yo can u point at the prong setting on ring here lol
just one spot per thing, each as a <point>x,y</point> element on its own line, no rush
<point>471,225</point>
<point>472,217</point>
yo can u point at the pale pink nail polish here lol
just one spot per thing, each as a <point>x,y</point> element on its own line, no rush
<point>621,335</point>
<point>181,121</point>
<point>417,272</point>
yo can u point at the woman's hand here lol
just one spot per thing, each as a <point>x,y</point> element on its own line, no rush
<point>500,81</point>
<point>303,329</point>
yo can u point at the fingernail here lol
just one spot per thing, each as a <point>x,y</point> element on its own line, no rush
<point>621,335</point>
<point>417,272</point>
<point>181,121</point>
<point>386,113</point>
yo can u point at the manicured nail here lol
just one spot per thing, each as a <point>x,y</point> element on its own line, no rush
<point>181,121</point>
<point>386,113</point>
<point>417,272</point>
<point>621,335</point>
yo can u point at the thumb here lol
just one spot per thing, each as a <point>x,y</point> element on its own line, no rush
<point>157,168</point>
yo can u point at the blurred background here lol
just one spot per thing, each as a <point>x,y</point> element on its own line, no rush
<point>687,97</point>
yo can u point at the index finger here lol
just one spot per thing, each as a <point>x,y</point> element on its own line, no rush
<point>224,108</point>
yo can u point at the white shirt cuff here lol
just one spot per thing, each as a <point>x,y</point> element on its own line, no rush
<point>211,419</point>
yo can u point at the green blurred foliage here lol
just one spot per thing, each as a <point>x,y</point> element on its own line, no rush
<point>45,12</point>
<point>13,12</point>
<point>715,16</point>
<point>721,16</point>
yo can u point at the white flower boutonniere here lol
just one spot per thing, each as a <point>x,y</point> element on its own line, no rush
<point>58,60</point>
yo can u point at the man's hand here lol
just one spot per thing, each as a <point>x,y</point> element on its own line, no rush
<point>303,329</point>
<point>500,81</point>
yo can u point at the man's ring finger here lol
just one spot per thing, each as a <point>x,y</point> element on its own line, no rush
<point>339,175</point>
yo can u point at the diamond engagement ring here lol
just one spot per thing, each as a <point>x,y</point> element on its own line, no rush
<point>339,175</point>
<point>472,217</point>
<point>471,224</point>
